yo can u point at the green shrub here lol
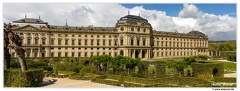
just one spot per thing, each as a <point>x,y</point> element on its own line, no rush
<point>203,57</point>
<point>225,79</point>
<point>47,73</point>
<point>17,78</point>
<point>89,69</point>
<point>108,82</point>
<point>231,57</point>
<point>133,74</point>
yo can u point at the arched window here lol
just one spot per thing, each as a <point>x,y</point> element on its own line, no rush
<point>121,52</point>
<point>122,28</point>
<point>121,41</point>
<point>132,29</point>
<point>132,41</point>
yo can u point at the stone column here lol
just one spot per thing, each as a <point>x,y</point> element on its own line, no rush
<point>133,53</point>
<point>31,53</point>
<point>140,53</point>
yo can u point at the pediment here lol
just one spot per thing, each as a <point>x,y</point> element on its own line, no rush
<point>27,28</point>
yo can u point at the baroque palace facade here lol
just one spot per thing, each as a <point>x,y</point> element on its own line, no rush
<point>132,36</point>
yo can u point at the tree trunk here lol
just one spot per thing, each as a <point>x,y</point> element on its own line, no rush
<point>6,58</point>
<point>21,57</point>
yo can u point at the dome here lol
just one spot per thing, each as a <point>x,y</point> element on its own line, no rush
<point>196,33</point>
<point>131,19</point>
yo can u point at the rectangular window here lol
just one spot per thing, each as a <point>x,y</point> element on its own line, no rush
<point>85,35</point>
<point>66,54</point>
<point>98,42</point>
<point>110,42</point>
<point>104,42</point>
<point>66,35</point>
<point>52,41</point>
<point>79,54</point>
<point>85,42</point>
<point>35,54</point>
<point>85,54</point>
<point>66,42</point>
<point>59,41</point>
<point>36,41</point>
<point>66,48</point>
<point>59,54</point>
<point>79,42</point>
<point>73,35</point>
<point>103,36</point>
<point>28,54</point>
<point>115,43</point>
<point>73,48</point>
<point>72,54</point>
<point>91,35</point>
<point>79,35</point>
<point>91,53</point>
<point>59,48</point>
<point>98,36</point>
<point>28,41</point>
<point>43,41</point>
<point>52,54</point>
<point>92,42</point>
<point>98,53</point>
<point>13,55</point>
<point>73,42</point>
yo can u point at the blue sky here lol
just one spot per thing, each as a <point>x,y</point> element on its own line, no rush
<point>173,9</point>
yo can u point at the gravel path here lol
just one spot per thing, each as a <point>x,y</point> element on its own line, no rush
<point>69,83</point>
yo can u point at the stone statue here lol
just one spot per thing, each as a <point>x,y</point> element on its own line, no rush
<point>16,41</point>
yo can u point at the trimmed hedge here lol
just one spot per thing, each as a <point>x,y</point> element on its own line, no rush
<point>17,78</point>
<point>225,79</point>
<point>108,82</point>
<point>165,81</point>
<point>231,57</point>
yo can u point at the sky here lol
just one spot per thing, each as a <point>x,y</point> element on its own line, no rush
<point>218,21</point>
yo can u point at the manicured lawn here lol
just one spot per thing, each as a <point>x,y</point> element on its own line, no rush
<point>229,66</point>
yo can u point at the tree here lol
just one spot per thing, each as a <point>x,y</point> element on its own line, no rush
<point>16,41</point>
<point>178,67</point>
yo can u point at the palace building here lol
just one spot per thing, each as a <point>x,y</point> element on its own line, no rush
<point>132,36</point>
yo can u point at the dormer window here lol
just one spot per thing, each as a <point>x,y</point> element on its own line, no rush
<point>122,28</point>
<point>138,29</point>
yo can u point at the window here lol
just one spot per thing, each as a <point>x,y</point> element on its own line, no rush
<point>72,54</point>
<point>28,34</point>
<point>121,41</point>
<point>91,53</point>
<point>115,43</point>
<point>59,35</point>
<point>43,41</point>
<point>36,41</point>
<point>66,54</point>
<point>59,41</point>
<point>28,41</point>
<point>52,41</point>
<point>52,35</point>
<point>85,54</point>
<point>97,48</point>
<point>132,42</point>
<point>79,35</point>
<point>158,43</point>
<point>85,42</point>
<point>73,48</point>
<point>132,29</point>
<point>144,41</point>
<point>110,36</point>
<point>98,42</point>
<point>85,35</point>
<point>52,48</point>
<point>36,34</point>
<point>103,36</point>
<point>79,42</point>
<point>92,42</point>
<point>21,33</point>
<point>110,42</point>
<point>91,48</point>
<point>85,48</point>
<point>122,28</point>
<point>66,35</point>
<point>66,48</point>
<point>98,53</point>
<point>66,42</point>
<point>59,48</point>
<point>138,41</point>
<point>59,54</point>
<point>35,54</point>
<point>109,53</point>
<point>73,42</point>
<point>73,35</point>
<point>98,36</point>
<point>144,30</point>
<point>104,42</point>
<point>52,54</point>
<point>138,29</point>
<point>79,54</point>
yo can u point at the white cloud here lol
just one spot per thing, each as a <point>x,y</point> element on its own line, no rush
<point>106,15</point>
